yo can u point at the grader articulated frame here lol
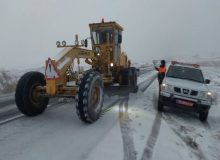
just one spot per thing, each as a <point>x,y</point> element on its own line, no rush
<point>108,66</point>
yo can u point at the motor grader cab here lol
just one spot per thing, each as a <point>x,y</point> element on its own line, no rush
<point>106,42</point>
<point>108,66</point>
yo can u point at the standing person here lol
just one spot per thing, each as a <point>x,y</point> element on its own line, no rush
<point>161,71</point>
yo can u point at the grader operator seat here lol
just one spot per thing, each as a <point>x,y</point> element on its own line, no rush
<point>106,41</point>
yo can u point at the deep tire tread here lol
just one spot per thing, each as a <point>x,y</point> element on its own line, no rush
<point>22,94</point>
<point>82,96</point>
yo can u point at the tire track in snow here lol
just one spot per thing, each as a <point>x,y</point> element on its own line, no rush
<point>11,119</point>
<point>148,151</point>
<point>150,81</point>
<point>127,137</point>
<point>188,140</point>
<point>110,106</point>
<point>53,105</point>
<point>152,139</point>
<point>192,144</point>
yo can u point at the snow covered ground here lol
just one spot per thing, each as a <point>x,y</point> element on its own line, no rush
<point>130,129</point>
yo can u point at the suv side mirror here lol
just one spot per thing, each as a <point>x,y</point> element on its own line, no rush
<point>207,81</point>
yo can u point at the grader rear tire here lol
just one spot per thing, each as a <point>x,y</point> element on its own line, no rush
<point>121,78</point>
<point>89,99</point>
<point>124,76</point>
<point>26,98</point>
<point>128,76</point>
<point>133,80</point>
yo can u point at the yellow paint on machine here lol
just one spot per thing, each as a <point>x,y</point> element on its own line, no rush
<point>51,87</point>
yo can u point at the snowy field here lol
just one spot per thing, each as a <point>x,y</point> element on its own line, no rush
<point>130,129</point>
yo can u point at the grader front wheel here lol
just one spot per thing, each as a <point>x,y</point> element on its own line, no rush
<point>27,98</point>
<point>89,99</point>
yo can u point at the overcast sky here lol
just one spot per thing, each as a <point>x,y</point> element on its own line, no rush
<point>153,29</point>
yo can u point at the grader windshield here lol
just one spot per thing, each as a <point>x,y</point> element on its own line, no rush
<point>102,36</point>
<point>106,33</point>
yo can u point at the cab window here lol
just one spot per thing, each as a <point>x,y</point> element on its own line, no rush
<point>101,36</point>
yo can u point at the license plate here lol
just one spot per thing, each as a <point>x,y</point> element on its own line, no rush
<point>185,103</point>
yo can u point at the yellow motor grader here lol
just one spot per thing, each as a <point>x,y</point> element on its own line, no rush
<point>108,66</point>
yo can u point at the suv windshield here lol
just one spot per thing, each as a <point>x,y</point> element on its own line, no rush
<point>185,73</point>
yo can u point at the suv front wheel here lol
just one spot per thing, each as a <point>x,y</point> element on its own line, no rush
<point>203,116</point>
<point>160,107</point>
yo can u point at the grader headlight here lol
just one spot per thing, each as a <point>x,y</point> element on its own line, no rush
<point>111,64</point>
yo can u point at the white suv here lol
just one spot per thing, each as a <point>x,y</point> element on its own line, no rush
<point>184,86</point>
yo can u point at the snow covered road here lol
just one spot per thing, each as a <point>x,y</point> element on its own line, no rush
<point>130,129</point>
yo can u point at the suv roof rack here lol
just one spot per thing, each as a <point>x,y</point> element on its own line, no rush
<point>183,63</point>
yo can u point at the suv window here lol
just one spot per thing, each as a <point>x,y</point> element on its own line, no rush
<point>185,73</point>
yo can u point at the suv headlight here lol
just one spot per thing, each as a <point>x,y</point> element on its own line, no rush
<point>163,87</point>
<point>166,87</point>
<point>209,96</point>
<point>205,95</point>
